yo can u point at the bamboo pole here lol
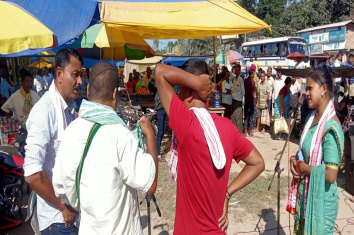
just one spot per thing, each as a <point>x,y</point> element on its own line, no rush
<point>214,51</point>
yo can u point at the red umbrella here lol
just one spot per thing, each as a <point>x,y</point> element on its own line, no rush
<point>297,56</point>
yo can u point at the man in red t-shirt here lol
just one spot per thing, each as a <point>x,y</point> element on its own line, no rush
<point>202,190</point>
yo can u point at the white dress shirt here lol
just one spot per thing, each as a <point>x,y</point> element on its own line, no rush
<point>15,103</point>
<point>41,150</point>
<point>113,169</point>
<point>294,90</point>
<point>39,83</point>
<point>278,85</point>
<point>337,64</point>
<point>270,81</point>
<point>227,98</point>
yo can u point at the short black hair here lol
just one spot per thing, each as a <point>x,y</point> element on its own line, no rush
<point>196,67</point>
<point>287,80</point>
<point>25,73</point>
<point>62,58</point>
<point>262,72</point>
<point>103,80</point>
<point>351,55</point>
<point>250,72</point>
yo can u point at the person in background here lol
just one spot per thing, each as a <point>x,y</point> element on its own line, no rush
<point>21,102</point>
<point>250,88</point>
<point>263,98</point>
<point>330,62</point>
<point>314,192</point>
<point>147,77</point>
<point>138,80</point>
<point>337,63</point>
<point>227,87</point>
<point>130,83</point>
<point>270,81</point>
<point>85,80</point>
<point>256,96</point>
<point>45,125</point>
<point>161,117</point>
<point>350,81</point>
<point>281,105</point>
<point>238,94</point>
<point>203,192</point>
<point>223,77</point>
<point>48,77</point>
<point>38,82</point>
<point>5,88</point>
<point>278,85</point>
<point>295,90</point>
<point>107,198</point>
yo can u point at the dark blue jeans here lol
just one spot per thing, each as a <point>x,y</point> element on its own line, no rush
<point>60,229</point>
<point>161,128</point>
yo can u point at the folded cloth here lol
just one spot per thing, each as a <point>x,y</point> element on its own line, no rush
<point>212,138</point>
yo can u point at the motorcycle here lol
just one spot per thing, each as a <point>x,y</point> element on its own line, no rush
<point>12,180</point>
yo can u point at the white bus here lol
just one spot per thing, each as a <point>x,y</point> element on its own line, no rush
<point>273,52</point>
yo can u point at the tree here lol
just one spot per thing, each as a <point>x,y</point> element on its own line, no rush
<point>155,44</point>
<point>272,12</point>
<point>342,9</point>
<point>319,12</point>
<point>202,46</point>
<point>249,5</point>
<point>295,18</point>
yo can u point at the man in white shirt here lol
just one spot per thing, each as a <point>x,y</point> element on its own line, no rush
<point>48,78</point>
<point>227,88</point>
<point>237,97</point>
<point>270,81</point>
<point>5,87</point>
<point>45,125</point>
<point>295,92</point>
<point>337,63</point>
<point>22,101</point>
<point>278,85</point>
<point>38,82</point>
<point>114,166</point>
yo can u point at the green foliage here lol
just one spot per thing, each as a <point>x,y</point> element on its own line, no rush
<point>286,17</point>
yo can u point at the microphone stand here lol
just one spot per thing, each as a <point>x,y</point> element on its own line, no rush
<point>277,169</point>
<point>148,198</point>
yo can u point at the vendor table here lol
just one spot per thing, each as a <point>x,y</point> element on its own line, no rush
<point>220,110</point>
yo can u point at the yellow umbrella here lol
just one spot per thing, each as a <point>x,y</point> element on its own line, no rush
<point>167,20</point>
<point>40,65</point>
<point>117,44</point>
<point>21,31</point>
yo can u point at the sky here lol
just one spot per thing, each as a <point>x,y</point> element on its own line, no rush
<point>163,43</point>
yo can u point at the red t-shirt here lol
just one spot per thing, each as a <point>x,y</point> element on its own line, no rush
<point>201,187</point>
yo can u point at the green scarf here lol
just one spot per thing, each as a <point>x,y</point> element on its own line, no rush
<point>315,200</point>
<point>105,115</point>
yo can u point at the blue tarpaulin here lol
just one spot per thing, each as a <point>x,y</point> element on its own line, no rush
<point>179,61</point>
<point>66,18</point>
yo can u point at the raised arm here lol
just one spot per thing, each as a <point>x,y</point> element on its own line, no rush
<point>168,76</point>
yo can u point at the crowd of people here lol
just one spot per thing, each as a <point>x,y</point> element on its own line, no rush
<point>86,167</point>
<point>246,98</point>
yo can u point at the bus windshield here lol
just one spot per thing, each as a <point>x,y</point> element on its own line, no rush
<point>298,45</point>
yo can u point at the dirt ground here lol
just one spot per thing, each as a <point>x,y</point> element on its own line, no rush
<point>252,210</point>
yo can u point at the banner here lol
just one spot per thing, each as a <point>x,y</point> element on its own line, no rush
<point>317,38</point>
<point>337,35</point>
<point>333,46</point>
<point>316,49</point>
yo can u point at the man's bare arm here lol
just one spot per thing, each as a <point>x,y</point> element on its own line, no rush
<point>168,76</point>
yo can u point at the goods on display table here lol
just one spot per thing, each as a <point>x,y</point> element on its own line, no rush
<point>9,126</point>
<point>142,91</point>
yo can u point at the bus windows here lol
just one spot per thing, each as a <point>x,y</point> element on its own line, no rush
<point>274,47</point>
<point>283,49</point>
<point>245,51</point>
<point>268,50</point>
<point>258,51</point>
<point>253,48</point>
